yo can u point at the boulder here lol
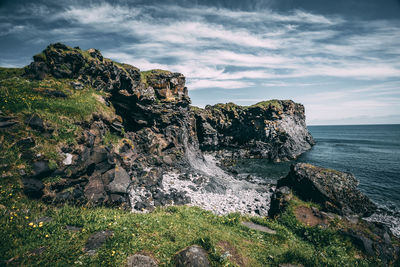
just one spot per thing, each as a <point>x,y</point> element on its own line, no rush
<point>120,180</point>
<point>335,191</point>
<point>139,260</point>
<point>279,201</point>
<point>193,256</point>
<point>35,122</point>
<point>41,169</point>
<point>33,187</point>
<point>94,191</point>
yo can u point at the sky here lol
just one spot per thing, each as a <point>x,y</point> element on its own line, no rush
<point>341,58</point>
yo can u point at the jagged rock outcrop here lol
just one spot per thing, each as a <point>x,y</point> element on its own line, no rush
<point>156,122</point>
<point>272,129</point>
<point>157,125</point>
<point>335,191</point>
<point>337,194</point>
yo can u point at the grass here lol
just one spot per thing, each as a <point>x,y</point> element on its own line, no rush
<point>275,104</point>
<point>145,75</point>
<point>270,104</point>
<point>161,234</point>
<point>10,72</point>
<point>62,117</point>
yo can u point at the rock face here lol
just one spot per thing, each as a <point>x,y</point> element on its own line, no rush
<point>272,129</point>
<point>160,132</point>
<point>193,256</point>
<point>336,191</point>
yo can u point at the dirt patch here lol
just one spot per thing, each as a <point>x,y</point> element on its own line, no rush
<point>310,216</point>
<point>234,256</point>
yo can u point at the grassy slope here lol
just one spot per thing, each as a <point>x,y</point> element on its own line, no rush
<point>161,233</point>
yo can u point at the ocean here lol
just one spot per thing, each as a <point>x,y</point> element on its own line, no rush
<point>370,152</point>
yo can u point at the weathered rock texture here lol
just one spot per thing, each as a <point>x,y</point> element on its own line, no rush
<point>160,132</point>
<point>273,129</point>
<point>336,191</point>
<point>193,256</point>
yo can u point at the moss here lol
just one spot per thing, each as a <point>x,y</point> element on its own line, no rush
<point>195,109</point>
<point>40,56</point>
<point>125,66</point>
<point>145,75</point>
<point>110,139</point>
<point>275,104</point>
<point>228,106</point>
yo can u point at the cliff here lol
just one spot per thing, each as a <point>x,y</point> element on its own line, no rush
<point>80,134</point>
<point>154,130</point>
<point>272,129</point>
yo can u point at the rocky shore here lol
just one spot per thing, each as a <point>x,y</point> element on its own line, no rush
<point>143,146</point>
<point>163,139</point>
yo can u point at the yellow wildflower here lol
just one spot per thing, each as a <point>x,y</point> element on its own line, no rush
<point>46,236</point>
<point>31,224</point>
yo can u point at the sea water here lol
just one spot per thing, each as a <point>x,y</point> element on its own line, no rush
<point>370,152</point>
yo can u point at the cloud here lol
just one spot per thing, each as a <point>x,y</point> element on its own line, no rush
<point>269,52</point>
<point>225,84</point>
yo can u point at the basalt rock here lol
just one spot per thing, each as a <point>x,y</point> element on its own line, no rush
<point>273,129</point>
<point>335,191</point>
<point>154,118</point>
<point>279,201</point>
<point>193,256</point>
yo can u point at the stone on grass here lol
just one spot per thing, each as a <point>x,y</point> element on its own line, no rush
<point>193,256</point>
<point>96,240</point>
<point>35,122</point>
<point>139,260</point>
<point>258,227</point>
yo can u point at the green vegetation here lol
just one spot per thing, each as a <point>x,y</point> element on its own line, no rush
<point>22,98</point>
<point>161,233</point>
<point>228,106</point>
<point>110,138</point>
<point>275,104</point>
<point>10,72</point>
<point>270,104</point>
<point>145,75</point>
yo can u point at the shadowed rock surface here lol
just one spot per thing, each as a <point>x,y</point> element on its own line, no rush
<point>273,129</point>
<point>335,191</point>
<point>160,131</point>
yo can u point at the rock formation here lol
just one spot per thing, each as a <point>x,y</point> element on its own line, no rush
<point>159,130</point>
<point>335,191</point>
<point>272,129</point>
